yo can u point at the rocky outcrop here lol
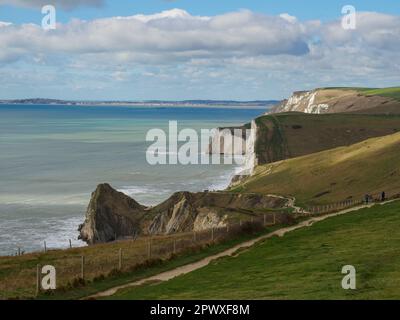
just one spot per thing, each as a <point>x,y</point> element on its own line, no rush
<point>112,214</point>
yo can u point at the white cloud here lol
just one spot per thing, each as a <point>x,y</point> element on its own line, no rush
<point>374,30</point>
<point>176,36</point>
<point>241,50</point>
<point>172,35</point>
<point>288,17</point>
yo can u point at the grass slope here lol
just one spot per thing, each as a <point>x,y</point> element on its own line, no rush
<point>304,264</point>
<point>393,92</point>
<point>18,274</point>
<point>288,135</point>
<point>371,166</point>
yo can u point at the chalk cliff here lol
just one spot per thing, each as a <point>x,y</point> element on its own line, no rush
<point>336,100</point>
<point>229,140</point>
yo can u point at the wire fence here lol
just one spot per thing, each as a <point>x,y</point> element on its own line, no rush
<point>349,203</point>
<point>20,276</point>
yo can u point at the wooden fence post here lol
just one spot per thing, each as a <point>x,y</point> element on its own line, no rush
<point>149,248</point>
<point>70,244</point>
<point>120,259</point>
<point>37,280</point>
<point>45,246</point>
<point>83,267</point>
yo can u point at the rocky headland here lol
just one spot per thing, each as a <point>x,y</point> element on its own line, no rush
<point>112,215</point>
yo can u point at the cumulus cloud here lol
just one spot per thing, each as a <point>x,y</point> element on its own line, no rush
<point>64,4</point>
<point>373,31</point>
<point>173,34</point>
<point>242,49</point>
<point>176,36</point>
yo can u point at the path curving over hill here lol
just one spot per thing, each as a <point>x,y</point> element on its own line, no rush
<point>168,275</point>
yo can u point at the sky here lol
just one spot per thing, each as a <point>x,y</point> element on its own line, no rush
<point>192,49</point>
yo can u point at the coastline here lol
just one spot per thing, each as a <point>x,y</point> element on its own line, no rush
<point>53,242</point>
<point>38,215</point>
<point>147,105</point>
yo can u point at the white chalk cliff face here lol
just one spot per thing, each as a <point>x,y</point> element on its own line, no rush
<point>335,100</point>
<point>250,157</point>
<point>303,101</point>
<point>228,141</point>
<point>237,142</point>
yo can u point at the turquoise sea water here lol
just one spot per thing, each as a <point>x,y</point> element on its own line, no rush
<point>52,158</point>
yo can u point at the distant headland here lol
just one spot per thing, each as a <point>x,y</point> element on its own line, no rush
<point>150,103</point>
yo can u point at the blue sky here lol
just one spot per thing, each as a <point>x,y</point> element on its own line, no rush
<point>225,49</point>
<point>305,9</point>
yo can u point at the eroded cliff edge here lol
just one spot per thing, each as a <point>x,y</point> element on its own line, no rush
<point>112,214</point>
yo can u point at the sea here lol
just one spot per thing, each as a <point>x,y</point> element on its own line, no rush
<point>52,157</point>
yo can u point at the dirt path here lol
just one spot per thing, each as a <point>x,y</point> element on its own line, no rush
<point>168,275</point>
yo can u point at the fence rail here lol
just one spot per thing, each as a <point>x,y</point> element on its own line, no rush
<point>349,203</point>
<point>75,266</point>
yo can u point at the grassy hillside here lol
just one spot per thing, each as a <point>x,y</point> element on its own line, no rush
<point>371,166</point>
<point>288,135</point>
<point>304,264</point>
<point>393,93</point>
<point>18,273</point>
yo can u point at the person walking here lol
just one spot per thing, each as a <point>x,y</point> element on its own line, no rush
<point>383,196</point>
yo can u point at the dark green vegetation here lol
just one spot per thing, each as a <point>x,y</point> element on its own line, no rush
<point>304,264</point>
<point>344,173</point>
<point>288,135</point>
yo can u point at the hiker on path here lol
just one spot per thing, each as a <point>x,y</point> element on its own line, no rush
<point>383,196</point>
<point>366,197</point>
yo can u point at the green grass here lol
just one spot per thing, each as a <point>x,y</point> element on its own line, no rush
<point>371,166</point>
<point>119,279</point>
<point>304,264</point>
<point>393,92</point>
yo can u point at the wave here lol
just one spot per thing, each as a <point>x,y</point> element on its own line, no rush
<point>44,200</point>
<point>29,234</point>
